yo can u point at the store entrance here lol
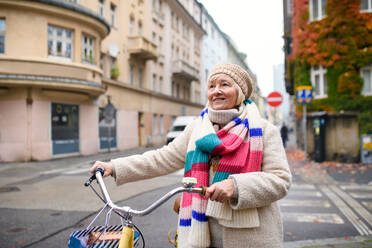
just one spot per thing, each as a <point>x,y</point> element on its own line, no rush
<point>65,128</point>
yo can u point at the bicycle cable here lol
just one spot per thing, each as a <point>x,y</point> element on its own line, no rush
<point>118,213</point>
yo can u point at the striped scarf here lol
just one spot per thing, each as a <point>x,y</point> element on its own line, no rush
<point>239,144</point>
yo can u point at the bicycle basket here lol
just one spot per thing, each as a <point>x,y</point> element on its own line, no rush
<point>95,237</point>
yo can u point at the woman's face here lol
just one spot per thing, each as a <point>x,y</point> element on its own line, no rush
<point>222,94</point>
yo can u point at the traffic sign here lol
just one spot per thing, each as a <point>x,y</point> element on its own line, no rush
<point>304,94</point>
<point>274,99</point>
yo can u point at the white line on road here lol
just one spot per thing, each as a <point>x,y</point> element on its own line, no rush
<point>302,186</point>
<point>305,193</point>
<point>354,204</point>
<point>55,171</point>
<point>304,203</point>
<point>349,214</point>
<point>357,187</point>
<point>361,195</point>
<point>367,204</point>
<point>313,218</point>
<point>76,171</point>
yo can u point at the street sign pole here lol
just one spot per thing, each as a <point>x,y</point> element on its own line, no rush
<point>304,96</point>
<point>304,127</point>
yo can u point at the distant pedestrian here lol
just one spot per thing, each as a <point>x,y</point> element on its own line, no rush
<point>284,134</point>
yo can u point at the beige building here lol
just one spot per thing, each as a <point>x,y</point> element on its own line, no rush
<point>61,61</point>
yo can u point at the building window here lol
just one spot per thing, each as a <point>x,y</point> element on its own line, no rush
<point>289,7</point>
<point>161,125</point>
<point>140,70</point>
<point>317,9</point>
<point>139,29</point>
<point>131,26</point>
<point>113,15</point>
<point>113,65</point>
<point>319,81</point>
<point>2,35</point>
<point>101,4</point>
<point>366,5</point>
<point>154,125</point>
<point>87,48</point>
<point>153,37</point>
<point>154,82</point>
<point>160,84</point>
<point>366,74</point>
<point>59,42</point>
<point>131,74</point>
<point>160,6</point>
<point>160,44</point>
<point>102,62</point>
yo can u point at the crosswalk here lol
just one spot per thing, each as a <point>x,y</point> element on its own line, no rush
<point>330,204</point>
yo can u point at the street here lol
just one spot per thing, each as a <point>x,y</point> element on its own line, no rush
<point>42,203</point>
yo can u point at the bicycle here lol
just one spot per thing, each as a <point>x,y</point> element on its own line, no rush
<point>130,234</point>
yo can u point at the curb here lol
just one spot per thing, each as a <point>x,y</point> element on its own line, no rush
<point>346,241</point>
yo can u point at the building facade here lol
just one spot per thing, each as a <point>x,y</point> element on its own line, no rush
<point>328,45</point>
<point>78,77</point>
<point>144,57</point>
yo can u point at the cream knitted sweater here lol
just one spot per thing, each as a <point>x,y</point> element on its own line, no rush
<point>258,192</point>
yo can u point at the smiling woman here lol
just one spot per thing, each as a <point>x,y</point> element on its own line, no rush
<point>222,92</point>
<point>231,150</point>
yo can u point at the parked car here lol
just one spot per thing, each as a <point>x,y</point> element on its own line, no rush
<point>178,126</point>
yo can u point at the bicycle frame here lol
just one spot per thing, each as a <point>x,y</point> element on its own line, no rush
<point>127,237</point>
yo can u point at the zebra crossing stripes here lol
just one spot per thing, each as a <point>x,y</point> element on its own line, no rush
<point>368,204</point>
<point>304,193</point>
<point>361,195</point>
<point>300,186</point>
<point>360,226</point>
<point>356,187</point>
<point>304,203</point>
<point>318,218</point>
<point>354,204</point>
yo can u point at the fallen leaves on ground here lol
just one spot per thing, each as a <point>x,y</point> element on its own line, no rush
<point>308,169</point>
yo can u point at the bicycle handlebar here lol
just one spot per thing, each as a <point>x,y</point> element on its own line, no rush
<point>127,210</point>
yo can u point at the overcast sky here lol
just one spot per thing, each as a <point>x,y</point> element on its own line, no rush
<point>256,26</point>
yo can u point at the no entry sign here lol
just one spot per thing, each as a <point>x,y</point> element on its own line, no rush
<point>274,99</point>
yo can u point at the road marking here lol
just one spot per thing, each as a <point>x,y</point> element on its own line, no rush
<point>302,186</point>
<point>55,171</point>
<point>313,218</point>
<point>361,195</point>
<point>349,214</point>
<point>367,204</point>
<point>304,203</point>
<point>305,193</point>
<point>356,187</point>
<point>354,204</point>
<point>77,171</point>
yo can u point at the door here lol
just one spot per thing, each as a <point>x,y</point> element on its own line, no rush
<point>65,128</point>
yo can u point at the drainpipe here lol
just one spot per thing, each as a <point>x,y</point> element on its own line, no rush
<point>29,101</point>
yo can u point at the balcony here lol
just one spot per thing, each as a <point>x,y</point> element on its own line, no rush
<point>139,46</point>
<point>183,69</point>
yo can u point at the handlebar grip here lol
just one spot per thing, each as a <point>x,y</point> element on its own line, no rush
<point>204,190</point>
<point>93,177</point>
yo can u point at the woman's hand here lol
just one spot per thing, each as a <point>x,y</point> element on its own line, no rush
<point>107,167</point>
<point>221,191</point>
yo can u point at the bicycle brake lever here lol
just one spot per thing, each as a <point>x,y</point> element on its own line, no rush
<point>93,177</point>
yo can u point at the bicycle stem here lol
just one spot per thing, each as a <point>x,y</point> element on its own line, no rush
<point>128,212</point>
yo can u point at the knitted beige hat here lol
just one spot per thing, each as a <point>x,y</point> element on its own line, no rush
<point>240,76</point>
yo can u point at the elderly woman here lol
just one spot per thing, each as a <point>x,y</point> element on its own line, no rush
<point>233,151</point>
